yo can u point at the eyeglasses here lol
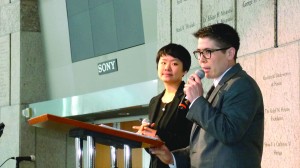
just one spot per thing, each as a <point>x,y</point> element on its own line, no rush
<point>206,53</point>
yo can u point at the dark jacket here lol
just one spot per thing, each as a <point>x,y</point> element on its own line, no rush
<point>230,125</point>
<point>172,127</point>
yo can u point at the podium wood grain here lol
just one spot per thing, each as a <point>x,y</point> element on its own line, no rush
<point>65,125</point>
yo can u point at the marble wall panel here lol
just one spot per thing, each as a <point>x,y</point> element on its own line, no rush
<point>186,21</point>
<point>278,76</point>
<point>288,21</point>
<point>28,82</point>
<point>30,16</point>
<point>51,148</point>
<point>4,70</point>
<point>10,139</point>
<point>218,11</point>
<point>10,18</point>
<point>255,25</point>
<point>248,64</point>
<point>163,23</point>
<point>163,28</point>
<point>3,2</point>
<point>33,71</point>
<point>15,69</point>
<point>27,139</point>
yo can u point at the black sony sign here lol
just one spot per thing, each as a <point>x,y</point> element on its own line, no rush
<point>107,67</point>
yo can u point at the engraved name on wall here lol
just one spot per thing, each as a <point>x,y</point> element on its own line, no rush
<point>4,70</point>
<point>217,11</point>
<point>186,21</point>
<point>255,24</point>
<point>278,75</point>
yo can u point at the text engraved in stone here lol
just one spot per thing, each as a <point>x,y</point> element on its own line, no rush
<point>248,3</point>
<point>277,146</point>
<point>277,78</point>
<point>185,26</point>
<point>223,16</point>
<point>276,113</point>
<point>180,1</point>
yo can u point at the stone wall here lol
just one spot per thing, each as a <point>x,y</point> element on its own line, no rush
<point>23,81</point>
<point>269,52</point>
<point>269,31</point>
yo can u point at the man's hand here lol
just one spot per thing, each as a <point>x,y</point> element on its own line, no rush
<point>193,88</point>
<point>163,153</point>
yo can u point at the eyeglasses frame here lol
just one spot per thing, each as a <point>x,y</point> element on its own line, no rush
<point>209,50</point>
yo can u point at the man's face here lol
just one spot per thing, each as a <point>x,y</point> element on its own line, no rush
<point>219,61</point>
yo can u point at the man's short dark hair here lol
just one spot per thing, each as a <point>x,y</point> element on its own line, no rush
<point>176,51</point>
<point>223,34</point>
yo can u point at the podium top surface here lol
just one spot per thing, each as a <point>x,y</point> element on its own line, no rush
<point>65,125</point>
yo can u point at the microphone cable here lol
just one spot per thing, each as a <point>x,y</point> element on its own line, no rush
<point>6,161</point>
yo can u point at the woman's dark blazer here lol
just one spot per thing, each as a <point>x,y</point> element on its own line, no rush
<point>173,127</point>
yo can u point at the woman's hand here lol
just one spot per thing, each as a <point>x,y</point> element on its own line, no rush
<point>146,129</point>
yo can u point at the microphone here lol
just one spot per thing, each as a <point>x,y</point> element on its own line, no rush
<point>1,128</point>
<point>27,158</point>
<point>146,121</point>
<point>185,103</point>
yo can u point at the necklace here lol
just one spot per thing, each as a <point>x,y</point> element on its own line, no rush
<point>164,102</point>
<point>164,106</point>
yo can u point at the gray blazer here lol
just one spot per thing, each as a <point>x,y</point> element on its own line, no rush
<point>228,126</point>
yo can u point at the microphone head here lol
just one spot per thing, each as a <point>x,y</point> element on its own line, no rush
<point>145,121</point>
<point>32,158</point>
<point>200,73</point>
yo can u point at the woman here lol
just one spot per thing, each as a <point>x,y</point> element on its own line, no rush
<point>167,120</point>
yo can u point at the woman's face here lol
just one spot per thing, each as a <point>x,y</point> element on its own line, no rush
<point>170,69</point>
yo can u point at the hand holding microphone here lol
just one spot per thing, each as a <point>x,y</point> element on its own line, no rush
<point>185,103</point>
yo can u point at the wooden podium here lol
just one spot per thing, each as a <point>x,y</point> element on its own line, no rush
<point>101,134</point>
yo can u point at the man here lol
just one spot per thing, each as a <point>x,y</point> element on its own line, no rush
<point>229,123</point>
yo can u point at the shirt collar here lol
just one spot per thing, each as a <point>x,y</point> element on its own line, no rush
<point>217,80</point>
